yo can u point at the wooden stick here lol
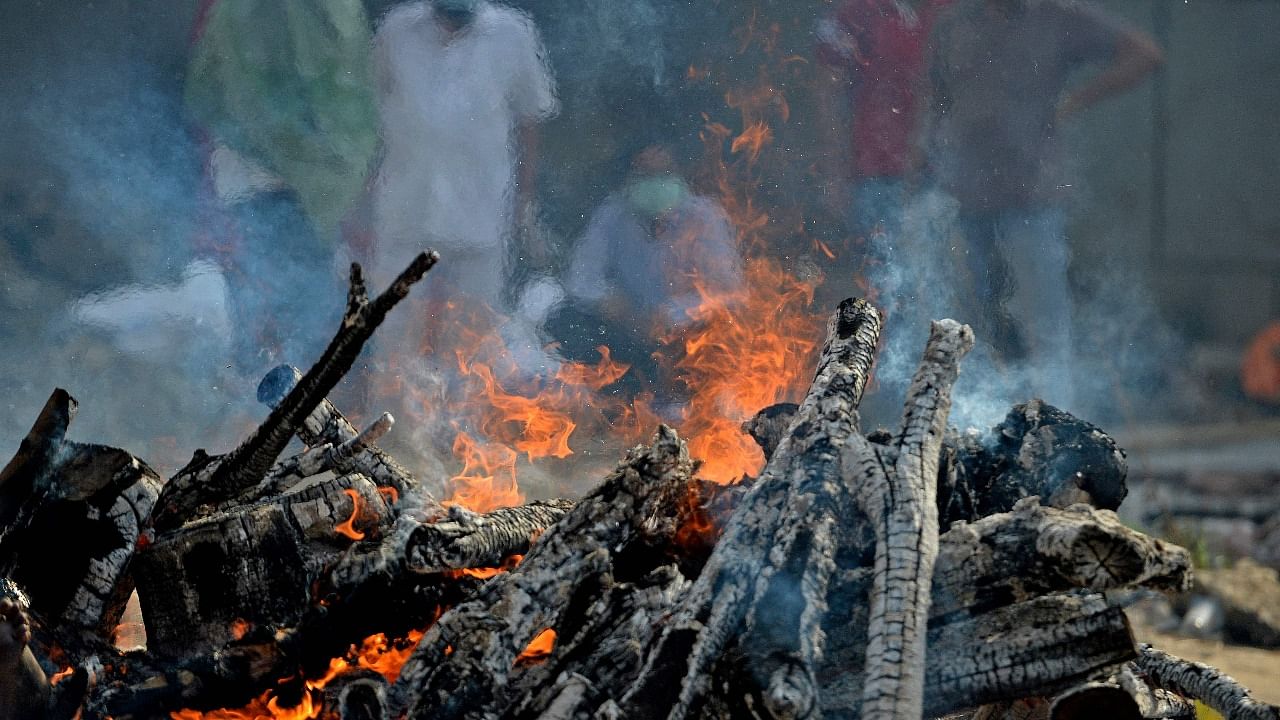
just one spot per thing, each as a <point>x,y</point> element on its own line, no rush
<point>286,474</point>
<point>207,481</point>
<point>1204,683</point>
<point>327,425</point>
<point>897,491</point>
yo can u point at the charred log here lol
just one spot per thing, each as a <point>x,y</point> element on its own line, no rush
<point>780,539</point>
<point>208,481</point>
<point>466,658</point>
<point>252,566</point>
<point>70,518</point>
<point>895,487</point>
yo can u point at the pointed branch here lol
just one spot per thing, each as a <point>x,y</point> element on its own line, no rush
<point>207,481</point>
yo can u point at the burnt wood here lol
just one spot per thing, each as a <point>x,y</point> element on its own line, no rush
<point>71,515</point>
<point>207,481</point>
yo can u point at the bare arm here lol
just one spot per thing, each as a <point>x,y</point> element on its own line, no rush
<point>1137,55</point>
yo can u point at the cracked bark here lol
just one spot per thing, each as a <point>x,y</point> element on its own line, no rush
<point>778,543</point>
<point>1204,683</point>
<point>897,491</point>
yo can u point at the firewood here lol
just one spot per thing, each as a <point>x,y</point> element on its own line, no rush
<point>600,651</point>
<point>207,481</point>
<point>897,491</point>
<point>1000,560</point>
<point>1204,683</point>
<point>1154,703</point>
<point>778,541</point>
<point>466,658</point>
<point>1035,550</point>
<point>462,539</point>
<point>288,473</point>
<point>1037,647</point>
<point>1095,700</point>
<point>327,425</point>
<point>1036,450</point>
<point>1124,694</point>
<point>357,695</point>
<point>70,517</point>
<point>254,564</point>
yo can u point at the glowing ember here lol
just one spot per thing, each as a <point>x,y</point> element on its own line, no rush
<point>347,528</point>
<point>376,653</point>
<point>484,573</point>
<point>539,648</point>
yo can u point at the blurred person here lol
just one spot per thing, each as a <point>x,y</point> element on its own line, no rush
<point>1002,76</point>
<point>282,92</point>
<point>872,90</point>
<point>462,86</point>
<point>641,265</point>
<point>874,61</point>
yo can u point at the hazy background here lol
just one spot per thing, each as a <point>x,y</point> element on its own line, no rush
<point>1176,230</point>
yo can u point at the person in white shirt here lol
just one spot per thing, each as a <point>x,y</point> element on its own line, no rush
<point>462,85</point>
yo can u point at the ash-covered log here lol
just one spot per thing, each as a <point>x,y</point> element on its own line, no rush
<point>463,665</point>
<point>209,580</point>
<point>780,542</point>
<point>70,517</point>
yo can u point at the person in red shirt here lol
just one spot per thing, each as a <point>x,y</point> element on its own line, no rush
<point>875,59</point>
<point>873,64</point>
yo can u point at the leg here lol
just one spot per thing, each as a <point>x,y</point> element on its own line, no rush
<point>990,283</point>
<point>1034,241</point>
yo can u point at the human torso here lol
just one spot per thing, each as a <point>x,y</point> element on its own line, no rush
<point>888,69</point>
<point>1002,77</point>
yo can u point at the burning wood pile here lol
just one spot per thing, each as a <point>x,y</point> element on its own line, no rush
<point>891,575</point>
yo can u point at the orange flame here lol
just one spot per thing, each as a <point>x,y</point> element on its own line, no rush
<point>603,374</point>
<point>488,477</point>
<point>484,573</point>
<point>753,139</point>
<point>375,652</point>
<point>539,648</point>
<point>348,527</point>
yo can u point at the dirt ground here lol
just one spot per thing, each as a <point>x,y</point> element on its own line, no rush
<point>1258,670</point>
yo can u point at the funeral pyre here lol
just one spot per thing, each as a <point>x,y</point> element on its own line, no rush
<point>904,574</point>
